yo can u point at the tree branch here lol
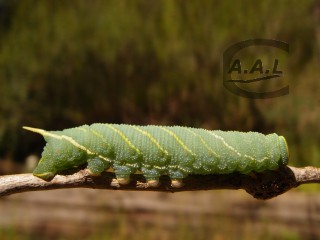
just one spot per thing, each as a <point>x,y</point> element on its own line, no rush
<point>263,185</point>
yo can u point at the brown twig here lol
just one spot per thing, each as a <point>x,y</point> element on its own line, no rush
<point>263,185</point>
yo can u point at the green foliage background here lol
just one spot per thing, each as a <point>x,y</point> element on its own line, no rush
<point>67,63</point>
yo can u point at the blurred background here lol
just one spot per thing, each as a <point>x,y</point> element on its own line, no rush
<point>68,63</point>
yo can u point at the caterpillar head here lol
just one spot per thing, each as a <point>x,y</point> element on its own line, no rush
<point>284,151</point>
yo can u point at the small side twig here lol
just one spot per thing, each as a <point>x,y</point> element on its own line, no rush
<point>264,185</point>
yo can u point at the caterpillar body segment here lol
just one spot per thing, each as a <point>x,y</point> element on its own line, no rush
<point>158,150</point>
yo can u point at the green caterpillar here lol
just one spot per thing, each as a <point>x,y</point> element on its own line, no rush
<point>158,150</point>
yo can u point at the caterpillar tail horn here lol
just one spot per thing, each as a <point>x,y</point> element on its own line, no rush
<point>36,130</point>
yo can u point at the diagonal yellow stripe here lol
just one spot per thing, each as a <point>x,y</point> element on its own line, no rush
<point>67,138</point>
<point>203,142</point>
<point>224,142</point>
<point>99,136</point>
<point>232,148</point>
<point>95,133</point>
<point>60,137</point>
<point>155,141</point>
<point>178,139</point>
<point>123,137</point>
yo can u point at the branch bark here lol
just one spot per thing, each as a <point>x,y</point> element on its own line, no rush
<point>264,185</point>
